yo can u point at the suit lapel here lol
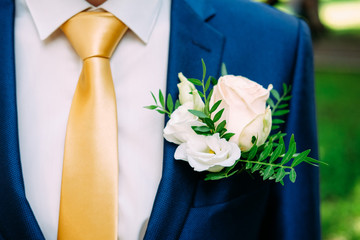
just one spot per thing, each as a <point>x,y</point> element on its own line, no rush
<point>16,218</point>
<point>191,39</point>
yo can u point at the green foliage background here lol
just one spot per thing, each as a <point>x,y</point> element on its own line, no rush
<point>338,111</point>
<point>338,99</point>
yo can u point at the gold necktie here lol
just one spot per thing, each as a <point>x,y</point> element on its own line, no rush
<point>89,188</point>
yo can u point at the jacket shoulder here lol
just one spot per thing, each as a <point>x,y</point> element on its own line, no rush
<point>260,41</point>
<point>254,15</point>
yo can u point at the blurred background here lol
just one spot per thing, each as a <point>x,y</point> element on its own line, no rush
<point>335,26</point>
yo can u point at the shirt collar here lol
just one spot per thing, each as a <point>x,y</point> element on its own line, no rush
<point>139,15</point>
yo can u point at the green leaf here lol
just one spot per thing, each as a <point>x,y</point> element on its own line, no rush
<point>282,143</point>
<point>209,96</point>
<point>201,94</point>
<point>198,113</point>
<point>289,154</point>
<point>201,129</point>
<point>255,167</point>
<point>248,165</point>
<point>232,173</point>
<point>151,107</point>
<point>274,136</point>
<point>301,157</point>
<point>170,103</point>
<point>280,112</point>
<point>177,104</point>
<point>227,136</point>
<point>283,105</point>
<point>292,141</point>
<point>275,155</point>
<point>215,106</point>
<point>287,98</point>
<point>313,164</point>
<point>309,159</point>
<point>289,88</point>
<point>221,126</point>
<point>206,107</point>
<point>161,98</point>
<point>218,115</point>
<point>208,133</point>
<point>209,123</point>
<point>207,84</point>
<point>313,161</point>
<point>204,68</point>
<point>274,127</point>
<point>253,152</point>
<point>152,94</point>
<point>275,94</point>
<point>269,171</point>
<point>214,81</point>
<point>195,81</point>
<point>223,70</point>
<point>280,175</point>
<point>292,175</point>
<point>223,131</point>
<point>160,111</point>
<point>277,121</point>
<point>270,102</point>
<point>264,154</point>
<point>214,176</point>
<point>285,88</point>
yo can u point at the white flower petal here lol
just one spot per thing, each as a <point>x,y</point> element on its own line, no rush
<point>178,129</point>
<point>259,127</point>
<point>200,155</point>
<point>180,152</point>
<point>189,94</point>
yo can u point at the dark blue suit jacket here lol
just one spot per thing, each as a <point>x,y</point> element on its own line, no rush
<point>253,40</point>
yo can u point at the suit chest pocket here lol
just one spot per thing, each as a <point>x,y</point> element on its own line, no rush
<point>221,191</point>
<point>228,213</point>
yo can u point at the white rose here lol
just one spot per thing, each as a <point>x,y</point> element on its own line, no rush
<point>210,153</point>
<point>178,128</point>
<point>245,111</point>
<point>189,94</point>
<point>259,127</point>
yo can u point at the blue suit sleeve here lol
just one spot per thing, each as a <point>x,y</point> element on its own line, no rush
<point>295,207</point>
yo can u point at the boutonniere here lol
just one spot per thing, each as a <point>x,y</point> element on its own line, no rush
<point>225,129</point>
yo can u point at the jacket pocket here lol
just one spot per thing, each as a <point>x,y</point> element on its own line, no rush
<point>224,190</point>
<point>238,218</point>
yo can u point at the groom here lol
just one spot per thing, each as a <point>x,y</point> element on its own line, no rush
<point>159,198</point>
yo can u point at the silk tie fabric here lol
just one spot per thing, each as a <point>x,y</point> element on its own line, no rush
<point>89,188</point>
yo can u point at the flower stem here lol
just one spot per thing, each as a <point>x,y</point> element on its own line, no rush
<point>264,163</point>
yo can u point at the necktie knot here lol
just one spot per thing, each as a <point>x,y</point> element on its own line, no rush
<point>94,34</point>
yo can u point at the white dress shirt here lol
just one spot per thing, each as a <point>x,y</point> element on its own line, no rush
<point>47,71</point>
